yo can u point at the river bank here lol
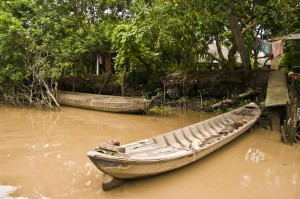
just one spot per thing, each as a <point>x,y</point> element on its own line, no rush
<point>215,83</point>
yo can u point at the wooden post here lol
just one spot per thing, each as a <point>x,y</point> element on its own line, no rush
<point>283,134</point>
<point>73,80</point>
<point>275,119</point>
<point>294,121</point>
<point>97,65</point>
<point>110,182</point>
<point>164,90</point>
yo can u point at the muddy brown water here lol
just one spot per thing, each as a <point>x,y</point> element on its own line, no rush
<point>43,155</point>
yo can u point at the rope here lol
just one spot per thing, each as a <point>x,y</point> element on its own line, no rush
<point>191,149</point>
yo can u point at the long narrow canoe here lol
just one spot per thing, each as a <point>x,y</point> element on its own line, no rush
<point>174,149</point>
<point>107,103</point>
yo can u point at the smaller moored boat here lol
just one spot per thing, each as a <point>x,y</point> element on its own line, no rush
<point>118,104</point>
<point>174,149</point>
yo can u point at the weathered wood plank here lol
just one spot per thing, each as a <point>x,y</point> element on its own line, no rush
<point>162,150</point>
<point>277,91</point>
<point>146,149</point>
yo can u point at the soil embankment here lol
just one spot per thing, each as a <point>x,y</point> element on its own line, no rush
<point>208,83</point>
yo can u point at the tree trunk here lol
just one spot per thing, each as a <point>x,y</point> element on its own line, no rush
<point>231,58</point>
<point>219,49</point>
<point>105,83</point>
<point>123,80</point>
<point>255,64</point>
<point>239,41</point>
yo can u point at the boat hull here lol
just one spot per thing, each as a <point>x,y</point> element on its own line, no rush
<point>116,104</point>
<point>126,169</point>
<point>174,149</point>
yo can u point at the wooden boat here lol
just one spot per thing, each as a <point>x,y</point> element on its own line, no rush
<point>174,149</point>
<point>107,103</point>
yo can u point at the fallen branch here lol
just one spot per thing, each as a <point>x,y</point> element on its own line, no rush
<point>223,102</point>
<point>248,93</point>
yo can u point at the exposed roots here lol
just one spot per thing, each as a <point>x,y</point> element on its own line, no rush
<point>34,90</point>
<point>33,95</point>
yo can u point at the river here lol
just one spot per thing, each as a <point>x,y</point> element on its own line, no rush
<point>43,155</point>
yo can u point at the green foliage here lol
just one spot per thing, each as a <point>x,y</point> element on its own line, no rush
<point>132,50</point>
<point>161,110</point>
<point>243,102</point>
<point>153,37</point>
<point>291,56</point>
<point>12,47</point>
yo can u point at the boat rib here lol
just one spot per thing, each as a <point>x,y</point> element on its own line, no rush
<point>180,138</point>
